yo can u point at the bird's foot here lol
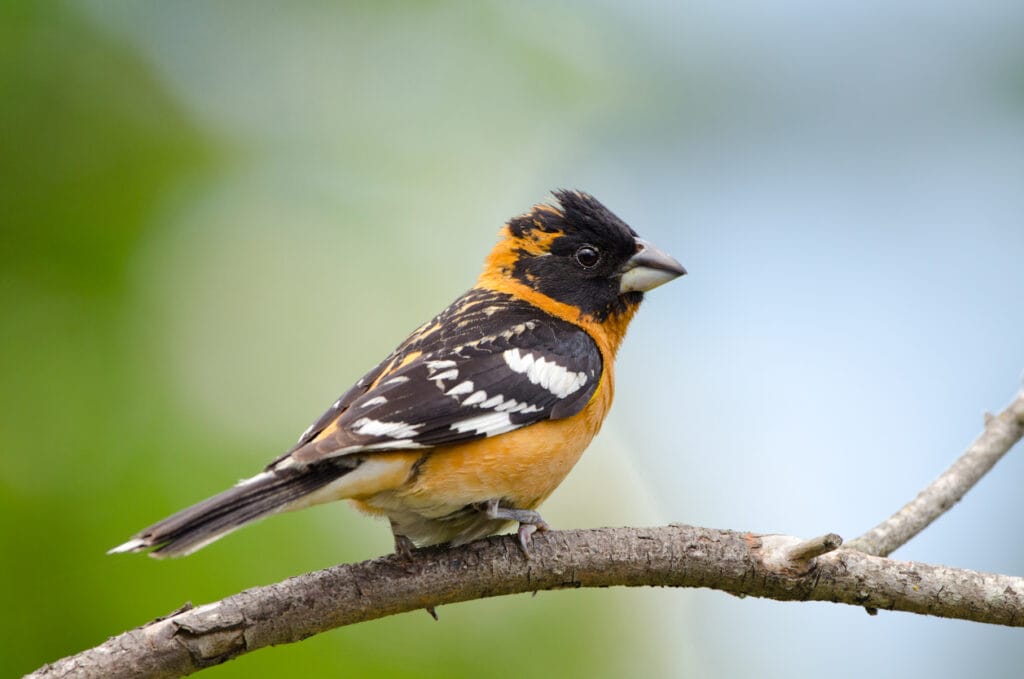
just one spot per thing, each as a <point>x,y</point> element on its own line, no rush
<point>404,547</point>
<point>529,522</point>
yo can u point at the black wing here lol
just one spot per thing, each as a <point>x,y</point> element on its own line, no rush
<point>487,365</point>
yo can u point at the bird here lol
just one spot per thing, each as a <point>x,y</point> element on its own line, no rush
<point>475,419</point>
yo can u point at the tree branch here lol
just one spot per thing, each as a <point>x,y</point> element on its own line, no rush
<point>769,566</point>
<point>676,556</point>
<point>1001,433</point>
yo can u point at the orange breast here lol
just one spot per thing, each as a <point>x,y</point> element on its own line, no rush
<point>523,466</point>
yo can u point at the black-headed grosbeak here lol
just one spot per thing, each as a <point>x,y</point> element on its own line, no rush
<point>475,418</point>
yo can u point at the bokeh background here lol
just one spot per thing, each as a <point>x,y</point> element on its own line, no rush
<point>215,216</point>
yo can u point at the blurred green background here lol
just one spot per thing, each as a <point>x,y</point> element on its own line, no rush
<point>205,241</point>
<point>216,216</point>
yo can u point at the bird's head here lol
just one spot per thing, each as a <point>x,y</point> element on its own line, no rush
<point>579,253</point>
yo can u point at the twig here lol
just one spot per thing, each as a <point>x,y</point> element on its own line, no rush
<point>675,556</point>
<point>809,549</point>
<point>1001,433</point>
<point>770,566</point>
<point>787,554</point>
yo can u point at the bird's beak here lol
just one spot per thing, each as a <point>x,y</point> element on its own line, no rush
<point>648,268</point>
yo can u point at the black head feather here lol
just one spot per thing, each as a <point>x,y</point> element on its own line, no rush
<point>574,252</point>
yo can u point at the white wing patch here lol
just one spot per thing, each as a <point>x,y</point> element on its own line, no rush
<point>460,389</point>
<point>477,398</point>
<point>446,375</point>
<point>498,403</point>
<point>253,479</point>
<point>514,406</point>
<point>364,426</point>
<point>492,402</point>
<point>441,371</point>
<point>490,424</point>
<point>376,401</point>
<point>434,366</point>
<point>555,378</point>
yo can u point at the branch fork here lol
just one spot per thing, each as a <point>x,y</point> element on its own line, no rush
<point>772,566</point>
<point>790,556</point>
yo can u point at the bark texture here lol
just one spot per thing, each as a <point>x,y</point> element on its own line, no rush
<point>673,556</point>
<point>770,566</point>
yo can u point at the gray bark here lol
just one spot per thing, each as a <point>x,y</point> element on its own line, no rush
<point>770,566</point>
<point>671,556</point>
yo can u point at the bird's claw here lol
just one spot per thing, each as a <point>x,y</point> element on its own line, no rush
<point>525,533</point>
<point>529,521</point>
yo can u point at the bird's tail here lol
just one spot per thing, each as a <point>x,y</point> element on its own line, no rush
<point>267,493</point>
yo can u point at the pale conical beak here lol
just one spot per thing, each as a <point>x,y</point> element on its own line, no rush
<point>648,268</point>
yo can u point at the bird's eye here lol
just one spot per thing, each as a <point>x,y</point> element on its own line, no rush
<point>588,256</point>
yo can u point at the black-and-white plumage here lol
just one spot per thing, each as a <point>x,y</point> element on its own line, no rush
<point>504,364</point>
<point>475,418</point>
